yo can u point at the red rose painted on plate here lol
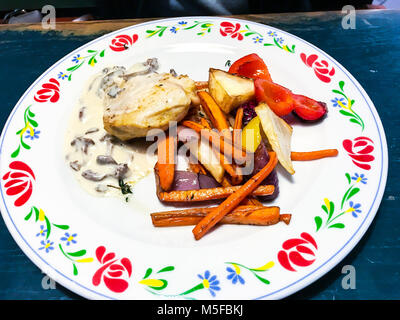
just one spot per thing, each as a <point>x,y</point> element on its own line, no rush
<point>360,150</point>
<point>114,272</point>
<point>19,182</point>
<point>123,42</point>
<point>50,92</point>
<point>294,250</point>
<point>230,29</point>
<point>320,67</point>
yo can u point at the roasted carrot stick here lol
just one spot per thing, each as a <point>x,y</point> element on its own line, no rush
<point>210,194</point>
<point>314,155</point>
<point>251,201</point>
<point>214,113</point>
<point>238,126</point>
<point>218,142</point>
<point>197,168</point>
<point>233,200</point>
<point>205,123</point>
<point>200,85</point>
<point>251,215</point>
<point>236,179</point>
<point>166,162</point>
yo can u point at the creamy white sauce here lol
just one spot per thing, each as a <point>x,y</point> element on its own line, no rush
<point>86,122</point>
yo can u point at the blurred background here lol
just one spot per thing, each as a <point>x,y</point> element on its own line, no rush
<point>29,11</point>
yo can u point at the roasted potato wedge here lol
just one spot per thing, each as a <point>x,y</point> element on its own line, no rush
<point>279,135</point>
<point>228,90</point>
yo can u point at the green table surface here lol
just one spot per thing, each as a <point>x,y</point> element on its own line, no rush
<point>371,52</point>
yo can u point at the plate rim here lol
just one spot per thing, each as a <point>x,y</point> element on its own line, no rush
<point>292,288</point>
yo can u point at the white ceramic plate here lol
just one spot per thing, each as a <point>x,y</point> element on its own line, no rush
<point>116,252</point>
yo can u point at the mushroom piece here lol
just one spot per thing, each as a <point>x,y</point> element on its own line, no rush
<point>82,143</point>
<point>105,160</point>
<point>93,176</point>
<point>121,170</point>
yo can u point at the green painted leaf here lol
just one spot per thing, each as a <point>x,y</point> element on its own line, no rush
<point>70,77</point>
<point>277,44</point>
<point>332,210</point>
<point>325,208</point>
<point>26,146</point>
<point>19,131</point>
<point>28,216</point>
<point>149,31</point>
<point>48,226</point>
<point>352,193</point>
<point>268,44</point>
<point>148,272</point>
<point>102,54</point>
<point>33,122</point>
<point>346,113</point>
<point>262,279</point>
<point>337,225</point>
<point>16,152</point>
<point>36,210</point>
<point>341,85</point>
<point>166,269</point>
<point>352,102</point>
<point>355,121</point>
<point>61,226</point>
<point>79,253</point>
<point>73,68</point>
<point>318,222</point>
<point>75,270</point>
<point>30,113</point>
<point>348,177</point>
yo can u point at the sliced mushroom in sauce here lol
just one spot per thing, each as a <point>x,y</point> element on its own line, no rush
<point>75,165</point>
<point>102,159</point>
<point>93,176</point>
<point>82,143</point>
<point>121,170</point>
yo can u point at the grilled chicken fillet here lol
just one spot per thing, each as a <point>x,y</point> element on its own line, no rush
<point>146,102</point>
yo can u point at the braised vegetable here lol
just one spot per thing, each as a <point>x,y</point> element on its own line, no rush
<point>218,142</point>
<point>185,180</point>
<point>229,91</point>
<point>279,135</point>
<point>214,113</point>
<point>250,215</point>
<point>251,66</point>
<point>166,162</point>
<point>313,155</point>
<point>233,200</point>
<point>309,109</point>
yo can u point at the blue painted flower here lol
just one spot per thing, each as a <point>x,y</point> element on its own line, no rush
<point>280,40</point>
<point>47,245</point>
<point>234,275</point>
<point>32,134</point>
<point>272,33</point>
<point>42,231</point>
<point>182,23</point>
<point>258,39</point>
<point>354,209</point>
<point>69,238</point>
<point>210,282</point>
<point>338,102</point>
<point>174,29</point>
<point>76,58</point>
<point>62,75</point>
<point>359,178</point>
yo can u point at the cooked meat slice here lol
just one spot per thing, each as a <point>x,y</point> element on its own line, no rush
<point>148,102</point>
